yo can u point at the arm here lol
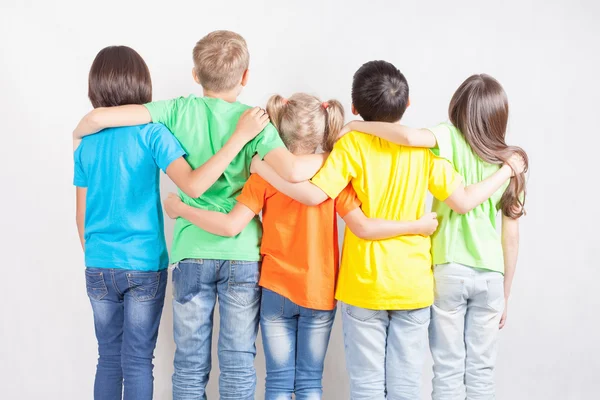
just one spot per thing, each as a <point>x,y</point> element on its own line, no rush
<point>294,168</point>
<point>195,182</point>
<point>377,229</point>
<point>303,192</point>
<point>108,117</point>
<point>214,222</point>
<point>510,248</point>
<point>81,194</point>
<point>395,133</point>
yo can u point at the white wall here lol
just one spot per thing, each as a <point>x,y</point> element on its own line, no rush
<point>545,53</point>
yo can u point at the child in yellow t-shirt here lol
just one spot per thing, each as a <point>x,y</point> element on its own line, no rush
<point>386,286</point>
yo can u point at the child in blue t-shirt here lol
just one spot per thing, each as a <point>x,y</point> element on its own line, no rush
<point>120,221</point>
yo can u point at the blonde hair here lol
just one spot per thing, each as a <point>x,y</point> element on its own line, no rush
<point>220,59</point>
<point>304,122</point>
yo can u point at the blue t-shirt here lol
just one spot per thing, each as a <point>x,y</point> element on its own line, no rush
<point>123,218</point>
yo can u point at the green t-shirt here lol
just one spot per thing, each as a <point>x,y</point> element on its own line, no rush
<point>470,239</point>
<point>203,125</point>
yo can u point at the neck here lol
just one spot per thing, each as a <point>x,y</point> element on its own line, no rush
<point>229,96</point>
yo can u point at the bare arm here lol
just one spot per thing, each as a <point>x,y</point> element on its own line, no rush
<point>303,192</point>
<point>464,199</point>
<point>81,194</point>
<point>108,117</point>
<point>294,168</point>
<point>510,248</point>
<point>195,182</point>
<point>214,222</point>
<point>377,229</point>
<point>395,133</point>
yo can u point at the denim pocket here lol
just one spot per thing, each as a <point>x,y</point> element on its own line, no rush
<point>96,287</point>
<point>358,313</point>
<point>186,279</point>
<point>271,305</point>
<point>420,316</point>
<point>448,292</point>
<point>324,315</point>
<point>243,281</point>
<point>495,294</point>
<point>143,285</point>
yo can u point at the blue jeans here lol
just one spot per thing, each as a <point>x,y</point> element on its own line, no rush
<point>127,307</point>
<point>385,352</point>
<point>196,286</point>
<point>295,340</point>
<point>464,330</point>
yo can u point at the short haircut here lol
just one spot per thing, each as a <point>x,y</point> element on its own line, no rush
<point>379,92</point>
<point>119,76</point>
<point>220,59</point>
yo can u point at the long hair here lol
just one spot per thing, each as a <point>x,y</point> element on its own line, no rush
<point>479,109</point>
<point>304,122</point>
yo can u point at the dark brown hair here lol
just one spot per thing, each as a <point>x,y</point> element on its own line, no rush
<point>379,92</point>
<point>479,109</point>
<point>119,76</point>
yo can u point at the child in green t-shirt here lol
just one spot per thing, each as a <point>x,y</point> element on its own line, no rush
<point>474,265</point>
<point>210,266</point>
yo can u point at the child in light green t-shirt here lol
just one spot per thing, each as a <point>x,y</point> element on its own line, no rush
<point>211,266</point>
<point>473,264</point>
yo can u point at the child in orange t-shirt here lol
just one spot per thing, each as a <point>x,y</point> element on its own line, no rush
<point>299,248</point>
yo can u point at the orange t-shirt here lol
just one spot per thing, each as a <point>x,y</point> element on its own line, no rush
<point>299,246</point>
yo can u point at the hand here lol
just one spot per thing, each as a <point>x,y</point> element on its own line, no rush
<point>427,224</point>
<point>171,204</point>
<point>254,164</point>
<point>516,163</point>
<point>503,319</point>
<point>250,124</point>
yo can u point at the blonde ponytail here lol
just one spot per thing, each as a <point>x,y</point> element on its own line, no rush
<point>335,123</point>
<point>275,107</point>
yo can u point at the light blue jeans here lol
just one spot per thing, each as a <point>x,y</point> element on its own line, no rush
<point>196,286</point>
<point>464,330</point>
<point>295,340</point>
<point>385,352</point>
<point>127,307</point>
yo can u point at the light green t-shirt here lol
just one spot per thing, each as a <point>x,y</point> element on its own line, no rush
<point>203,125</point>
<point>470,239</point>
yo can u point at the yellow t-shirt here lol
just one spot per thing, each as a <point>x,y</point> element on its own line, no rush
<point>392,182</point>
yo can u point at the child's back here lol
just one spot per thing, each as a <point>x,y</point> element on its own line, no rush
<point>124,222</point>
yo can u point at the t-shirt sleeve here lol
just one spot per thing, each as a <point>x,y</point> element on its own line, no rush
<point>165,111</point>
<point>443,179</point>
<point>443,137</point>
<point>165,148</point>
<point>254,193</point>
<point>339,168</point>
<point>266,141</point>
<point>79,176</point>
<point>347,201</point>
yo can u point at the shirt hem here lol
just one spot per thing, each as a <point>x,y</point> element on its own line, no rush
<point>390,305</point>
<point>305,304</point>
<point>215,256</point>
<point>477,265</point>
<point>112,265</point>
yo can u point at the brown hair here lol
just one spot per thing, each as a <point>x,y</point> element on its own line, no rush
<point>479,109</point>
<point>119,76</point>
<point>220,59</point>
<point>304,122</point>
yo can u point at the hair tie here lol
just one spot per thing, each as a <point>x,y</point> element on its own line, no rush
<point>284,101</point>
<point>325,105</point>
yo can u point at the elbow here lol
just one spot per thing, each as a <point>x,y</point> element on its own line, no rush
<point>460,209</point>
<point>360,231</point>
<point>294,176</point>
<point>192,191</point>
<point>311,201</point>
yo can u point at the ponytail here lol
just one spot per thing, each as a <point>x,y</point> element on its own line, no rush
<point>275,108</point>
<point>335,123</point>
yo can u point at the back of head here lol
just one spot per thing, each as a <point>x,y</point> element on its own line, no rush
<point>119,76</point>
<point>220,59</point>
<point>304,122</point>
<point>479,109</point>
<point>379,92</point>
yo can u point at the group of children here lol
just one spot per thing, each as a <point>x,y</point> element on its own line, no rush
<point>230,165</point>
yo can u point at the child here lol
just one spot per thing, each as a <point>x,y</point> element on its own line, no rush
<point>120,222</point>
<point>386,286</point>
<point>299,249</point>
<point>471,258</point>
<point>211,266</point>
